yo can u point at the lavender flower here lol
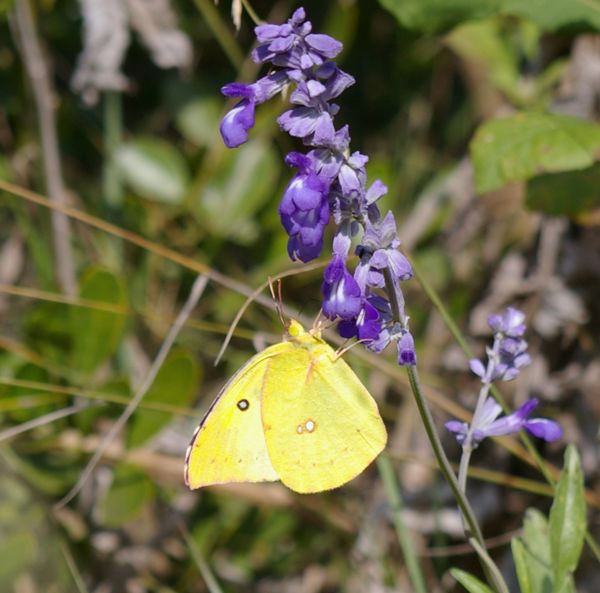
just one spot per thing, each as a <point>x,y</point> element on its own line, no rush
<point>487,424</point>
<point>506,356</point>
<point>341,292</point>
<point>509,351</point>
<point>330,183</point>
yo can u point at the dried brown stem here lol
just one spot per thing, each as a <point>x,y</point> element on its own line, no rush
<point>37,70</point>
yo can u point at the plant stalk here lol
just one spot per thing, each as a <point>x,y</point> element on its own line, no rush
<point>392,490</point>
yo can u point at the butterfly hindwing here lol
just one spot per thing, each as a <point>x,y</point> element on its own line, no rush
<point>322,427</point>
<point>229,444</point>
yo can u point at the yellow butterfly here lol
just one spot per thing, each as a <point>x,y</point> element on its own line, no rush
<point>295,412</point>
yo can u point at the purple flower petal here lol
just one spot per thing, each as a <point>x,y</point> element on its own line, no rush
<point>324,44</point>
<point>544,429</point>
<point>406,350</point>
<point>236,123</point>
<point>477,367</point>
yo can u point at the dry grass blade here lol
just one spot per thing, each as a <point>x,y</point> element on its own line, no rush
<point>195,294</point>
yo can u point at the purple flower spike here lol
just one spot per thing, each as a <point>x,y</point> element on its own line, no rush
<point>487,423</point>
<point>341,293</point>
<point>330,183</point>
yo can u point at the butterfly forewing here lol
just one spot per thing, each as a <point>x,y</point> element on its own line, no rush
<point>322,427</point>
<point>229,444</point>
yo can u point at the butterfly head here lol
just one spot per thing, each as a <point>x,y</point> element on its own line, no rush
<point>297,333</point>
<point>295,329</point>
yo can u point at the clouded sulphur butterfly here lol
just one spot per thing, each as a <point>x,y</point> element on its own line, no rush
<point>295,412</point>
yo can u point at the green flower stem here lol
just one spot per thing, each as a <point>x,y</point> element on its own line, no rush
<point>527,442</point>
<point>392,491</point>
<point>467,446</point>
<point>113,131</point>
<point>222,34</point>
<point>252,13</point>
<point>472,531</point>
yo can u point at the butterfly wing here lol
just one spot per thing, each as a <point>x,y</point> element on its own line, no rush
<point>322,427</point>
<point>229,444</point>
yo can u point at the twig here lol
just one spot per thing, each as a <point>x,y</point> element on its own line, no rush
<point>195,294</point>
<point>9,433</point>
<point>72,566</point>
<point>392,489</point>
<point>207,574</point>
<point>42,91</point>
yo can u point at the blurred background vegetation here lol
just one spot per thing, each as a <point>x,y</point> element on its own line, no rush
<point>481,119</point>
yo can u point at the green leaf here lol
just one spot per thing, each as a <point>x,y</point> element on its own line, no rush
<point>126,497</point>
<point>18,551</point>
<point>96,333</point>
<point>242,183</point>
<point>530,143</point>
<point>567,519</point>
<point>532,554</point>
<point>431,16</point>
<point>5,6</point>
<point>176,384</point>
<point>572,193</point>
<point>482,42</point>
<point>469,582</point>
<point>552,15</point>
<point>520,560</point>
<point>153,169</point>
<point>198,120</point>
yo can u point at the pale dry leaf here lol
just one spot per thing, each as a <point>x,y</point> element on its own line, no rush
<point>156,23</point>
<point>105,41</point>
<point>236,14</point>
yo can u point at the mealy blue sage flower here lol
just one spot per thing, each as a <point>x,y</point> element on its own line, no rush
<point>487,424</point>
<point>330,183</point>
<point>507,355</point>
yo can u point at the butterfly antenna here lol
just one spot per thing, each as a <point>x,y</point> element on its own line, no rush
<point>254,295</point>
<point>339,353</point>
<point>278,299</point>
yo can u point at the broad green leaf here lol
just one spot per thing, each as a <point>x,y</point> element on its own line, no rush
<point>567,519</point>
<point>482,42</point>
<point>532,554</point>
<point>572,193</point>
<point>154,169</point>
<point>198,120</point>
<point>125,498</point>
<point>95,333</point>
<point>520,559</point>
<point>552,15</point>
<point>176,384</point>
<point>242,183</point>
<point>469,582</point>
<point>432,16</point>
<point>521,146</point>
<point>18,551</point>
